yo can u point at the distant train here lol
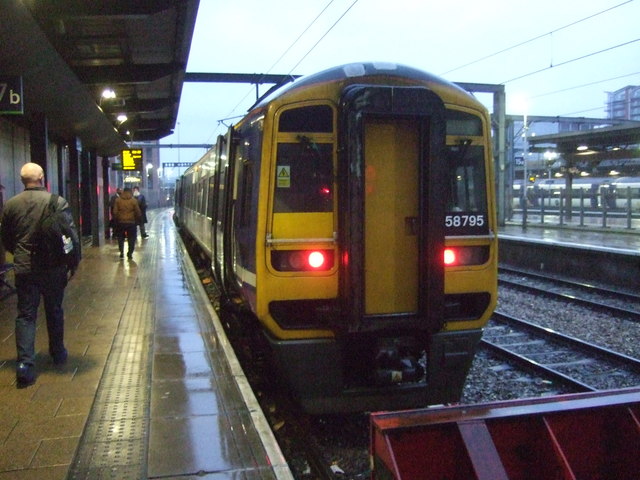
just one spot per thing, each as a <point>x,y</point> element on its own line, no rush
<point>626,191</point>
<point>589,192</point>
<point>352,213</point>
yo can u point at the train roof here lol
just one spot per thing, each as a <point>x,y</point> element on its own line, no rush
<point>625,180</point>
<point>352,72</point>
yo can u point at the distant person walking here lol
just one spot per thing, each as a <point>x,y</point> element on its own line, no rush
<point>142,203</point>
<point>127,215</point>
<point>112,223</point>
<point>21,218</point>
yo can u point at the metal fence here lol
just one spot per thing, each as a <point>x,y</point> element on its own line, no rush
<point>593,210</point>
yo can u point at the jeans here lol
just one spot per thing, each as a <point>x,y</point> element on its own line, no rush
<point>29,286</point>
<point>130,230</point>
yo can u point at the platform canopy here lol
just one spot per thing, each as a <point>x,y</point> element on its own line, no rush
<point>608,143</point>
<point>68,52</point>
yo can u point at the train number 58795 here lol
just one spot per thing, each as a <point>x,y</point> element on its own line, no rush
<point>464,220</point>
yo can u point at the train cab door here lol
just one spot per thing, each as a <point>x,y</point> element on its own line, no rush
<point>391,147</point>
<point>393,210</point>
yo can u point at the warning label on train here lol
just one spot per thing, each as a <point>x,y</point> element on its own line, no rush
<point>284,176</point>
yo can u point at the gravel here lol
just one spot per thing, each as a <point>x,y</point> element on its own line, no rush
<point>619,334</point>
<point>344,439</point>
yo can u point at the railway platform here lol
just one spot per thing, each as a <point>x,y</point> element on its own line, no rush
<point>607,257</point>
<point>151,388</point>
<point>600,239</point>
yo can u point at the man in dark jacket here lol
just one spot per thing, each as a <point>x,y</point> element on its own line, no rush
<point>111,229</point>
<point>142,203</point>
<point>20,219</point>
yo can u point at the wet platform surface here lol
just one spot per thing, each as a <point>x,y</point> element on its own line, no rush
<point>151,388</point>
<point>627,242</point>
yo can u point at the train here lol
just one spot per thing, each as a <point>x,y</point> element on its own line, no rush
<point>589,193</point>
<point>626,192</point>
<point>351,215</point>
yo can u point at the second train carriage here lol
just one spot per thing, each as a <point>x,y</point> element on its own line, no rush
<point>353,213</point>
<point>590,193</point>
<point>626,193</point>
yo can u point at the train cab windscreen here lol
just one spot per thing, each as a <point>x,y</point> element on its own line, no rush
<point>304,164</point>
<point>467,186</point>
<point>304,177</point>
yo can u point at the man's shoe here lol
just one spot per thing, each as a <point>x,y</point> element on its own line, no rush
<point>121,255</point>
<point>25,375</point>
<point>60,358</point>
<point>130,255</point>
<point>145,236</point>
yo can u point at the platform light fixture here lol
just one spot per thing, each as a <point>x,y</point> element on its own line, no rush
<point>108,94</point>
<point>582,148</point>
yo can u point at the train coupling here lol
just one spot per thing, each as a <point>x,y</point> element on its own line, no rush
<point>396,362</point>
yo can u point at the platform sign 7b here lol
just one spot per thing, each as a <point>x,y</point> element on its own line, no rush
<point>11,95</point>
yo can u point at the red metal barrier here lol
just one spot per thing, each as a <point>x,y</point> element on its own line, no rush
<point>570,437</point>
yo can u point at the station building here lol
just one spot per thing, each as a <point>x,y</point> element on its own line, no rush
<point>81,82</point>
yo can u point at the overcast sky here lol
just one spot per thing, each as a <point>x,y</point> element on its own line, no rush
<point>555,57</point>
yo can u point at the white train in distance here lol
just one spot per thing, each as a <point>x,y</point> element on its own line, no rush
<point>592,193</point>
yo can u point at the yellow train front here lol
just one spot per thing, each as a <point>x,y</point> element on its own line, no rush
<point>353,213</point>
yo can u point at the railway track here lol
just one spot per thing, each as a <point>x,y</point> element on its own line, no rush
<point>331,447</point>
<point>296,432</point>
<point>580,365</point>
<point>615,302</point>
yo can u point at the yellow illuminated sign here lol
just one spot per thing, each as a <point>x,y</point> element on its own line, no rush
<point>132,159</point>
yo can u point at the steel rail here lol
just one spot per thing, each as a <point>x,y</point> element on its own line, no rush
<point>633,315</point>
<point>590,349</point>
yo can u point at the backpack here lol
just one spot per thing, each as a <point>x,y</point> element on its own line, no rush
<point>54,242</point>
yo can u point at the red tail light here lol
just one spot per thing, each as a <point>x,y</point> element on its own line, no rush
<point>449,256</point>
<point>462,256</point>
<point>316,260</point>
<point>302,260</point>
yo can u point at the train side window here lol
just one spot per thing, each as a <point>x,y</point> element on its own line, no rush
<point>304,177</point>
<point>247,160</point>
<point>464,124</point>
<point>221,190</point>
<point>190,201</point>
<point>315,118</point>
<point>202,201</point>
<point>467,186</point>
<point>467,192</point>
<point>211,201</point>
<point>245,191</point>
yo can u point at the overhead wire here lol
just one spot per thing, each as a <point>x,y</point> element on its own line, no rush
<point>575,87</point>
<point>323,36</point>
<point>571,61</point>
<point>317,17</point>
<point>300,36</point>
<point>520,44</point>
<point>569,114</point>
<point>538,37</point>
